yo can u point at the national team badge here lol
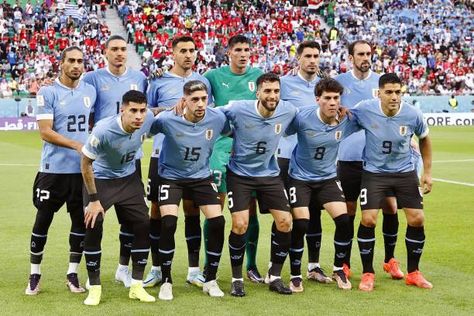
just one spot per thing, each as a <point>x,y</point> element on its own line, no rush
<point>39,100</point>
<point>403,130</point>
<point>375,93</point>
<point>87,102</point>
<point>209,133</point>
<point>252,86</point>
<point>133,87</point>
<point>277,128</point>
<point>338,135</point>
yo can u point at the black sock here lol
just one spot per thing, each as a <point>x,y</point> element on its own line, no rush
<point>300,226</point>
<point>93,252</point>
<point>167,245</point>
<point>415,241</point>
<point>215,244</point>
<point>76,244</point>
<point>140,249</point>
<point>126,241</point>
<point>192,232</point>
<point>366,240</point>
<point>280,247</point>
<point>351,233</point>
<point>39,235</point>
<point>313,236</point>
<point>390,230</point>
<point>155,231</point>
<point>236,252</point>
<point>342,239</point>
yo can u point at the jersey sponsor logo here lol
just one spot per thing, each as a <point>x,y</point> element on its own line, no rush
<point>277,128</point>
<point>133,86</point>
<point>226,85</point>
<point>338,135</point>
<point>209,134</point>
<point>252,86</point>
<point>39,100</point>
<point>375,93</point>
<point>94,141</point>
<point>403,130</point>
<point>87,102</point>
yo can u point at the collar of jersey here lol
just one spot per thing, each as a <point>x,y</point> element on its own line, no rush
<point>370,74</point>
<point>318,114</point>
<point>169,73</point>
<point>301,77</point>
<point>258,113</point>
<point>189,122</point>
<point>119,122</point>
<point>122,75</point>
<point>396,114</point>
<point>58,82</point>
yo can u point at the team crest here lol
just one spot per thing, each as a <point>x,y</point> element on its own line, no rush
<point>133,86</point>
<point>39,100</point>
<point>375,93</point>
<point>87,102</point>
<point>338,135</point>
<point>252,86</point>
<point>209,134</point>
<point>277,128</point>
<point>403,130</point>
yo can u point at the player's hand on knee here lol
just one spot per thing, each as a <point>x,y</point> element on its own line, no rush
<point>426,183</point>
<point>92,212</point>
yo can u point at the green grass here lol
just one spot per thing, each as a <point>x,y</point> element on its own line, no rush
<point>447,260</point>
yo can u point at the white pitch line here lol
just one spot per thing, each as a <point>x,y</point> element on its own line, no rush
<point>18,165</point>
<point>454,182</point>
<point>448,161</point>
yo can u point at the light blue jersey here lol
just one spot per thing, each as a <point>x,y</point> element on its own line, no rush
<point>387,147</point>
<point>299,92</point>
<point>110,89</point>
<point>256,138</point>
<point>69,109</point>
<point>113,149</point>
<point>314,158</point>
<point>187,146</point>
<point>166,91</point>
<point>355,90</point>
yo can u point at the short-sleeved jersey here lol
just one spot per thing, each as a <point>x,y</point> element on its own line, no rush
<point>355,90</point>
<point>110,89</point>
<point>69,109</point>
<point>166,91</point>
<point>227,87</point>
<point>314,157</point>
<point>387,147</point>
<point>300,93</point>
<point>256,138</point>
<point>187,146</point>
<point>113,149</point>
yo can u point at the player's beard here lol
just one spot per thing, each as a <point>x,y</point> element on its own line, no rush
<point>364,67</point>
<point>268,107</point>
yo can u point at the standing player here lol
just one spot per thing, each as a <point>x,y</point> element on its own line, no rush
<point>63,109</point>
<point>166,91</point>
<point>108,169</point>
<point>184,165</point>
<point>258,127</point>
<point>111,83</point>
<point>389,125</point>
<point>229,83</point>
<point>362,84</point>
<point>299,90</point>
<point>312,177</point>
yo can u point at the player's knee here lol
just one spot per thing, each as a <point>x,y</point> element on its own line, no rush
<point>239,224</point>
<point>42,222</point>
<point>283,223</point>
<point>369,220</point>
<point>416,219</point>
<point>216,223</point>
<point>300,226</point>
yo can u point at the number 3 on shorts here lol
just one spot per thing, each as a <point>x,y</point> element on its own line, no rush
<point>363,196</point>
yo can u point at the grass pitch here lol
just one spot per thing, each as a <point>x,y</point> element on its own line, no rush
<point>446,262</point>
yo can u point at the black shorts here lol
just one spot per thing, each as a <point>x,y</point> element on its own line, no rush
<point>201,191</point>
<point>52,190</point>
<point>301,193</point>
<point>153,180</point>
<point>126,194</point>
<point>270,191</point>
<point>350,175</point>
<point>284,165</point>
<point>405,187</point>
<point>138,168</point>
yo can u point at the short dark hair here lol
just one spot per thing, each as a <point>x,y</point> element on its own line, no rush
<point>237,39</point>
<point>113,38</point>
<point>267,77</point>
<point>182,39</point>
<point>328,85</point>
<point>69,49</point>
<point>307,44</point>
<point>352,45</point>
<point>133,96</point>
<point>389,78</point>
<point>193,86</point>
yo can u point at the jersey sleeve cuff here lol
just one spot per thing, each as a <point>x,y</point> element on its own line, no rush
<point>46,116</point>
<point>88,154</point>
<point>424,134</point>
